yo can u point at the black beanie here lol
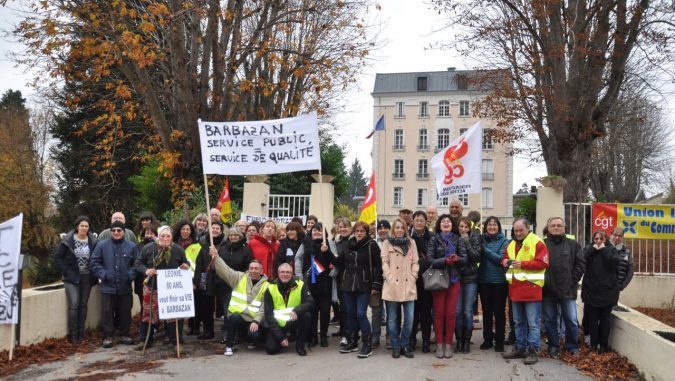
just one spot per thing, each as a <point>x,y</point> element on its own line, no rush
<point>117,224</point>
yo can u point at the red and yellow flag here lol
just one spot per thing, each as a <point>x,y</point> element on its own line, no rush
<point>369,208</point>
<point>225,204</point>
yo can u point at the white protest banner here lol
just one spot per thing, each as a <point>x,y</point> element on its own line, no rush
<point>457,167</point>
<point>260,147</point>
<point>283,220</point>
<point>10,248</point>
<point>174,294</point>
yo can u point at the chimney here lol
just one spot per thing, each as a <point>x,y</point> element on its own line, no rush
<point>452,68</point>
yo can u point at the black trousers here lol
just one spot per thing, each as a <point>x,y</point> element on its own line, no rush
<point>422,315</point>
<point>322,305</point>
<point>599,325</point>
<point>299,329</point>
<point>493,300</point>
<point>204,307</point>
<point>116,313</point>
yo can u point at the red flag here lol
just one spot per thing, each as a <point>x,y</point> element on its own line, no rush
<point>369,208</point>
<point>225,204</point>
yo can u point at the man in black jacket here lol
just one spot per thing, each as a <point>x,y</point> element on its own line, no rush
<point>625,269</point>
<point>288,312</point>
<point>566,267</point>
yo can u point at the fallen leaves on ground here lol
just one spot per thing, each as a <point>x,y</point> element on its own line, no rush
<point>664,315</point>
<point>601,366</point>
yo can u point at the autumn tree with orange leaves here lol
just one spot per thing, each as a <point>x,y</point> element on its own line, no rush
<point>564,64</point>
<point>170,63</point>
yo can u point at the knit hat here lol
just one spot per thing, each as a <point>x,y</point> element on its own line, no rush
<point>117,224</point>
<point>383,224</point>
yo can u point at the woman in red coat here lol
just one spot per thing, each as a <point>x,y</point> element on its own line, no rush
<point>264,248</point>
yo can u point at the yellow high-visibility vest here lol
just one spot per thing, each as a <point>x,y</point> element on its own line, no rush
<point>244,304</point>
<point>282,310</point>
<point>191,253</point>
<point>527,253</point>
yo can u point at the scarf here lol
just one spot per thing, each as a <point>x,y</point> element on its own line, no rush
<point>184,243</point>
<point>316,249</point>
<point>402,242</point>
<point>163,256</point>
<point>447,238</point>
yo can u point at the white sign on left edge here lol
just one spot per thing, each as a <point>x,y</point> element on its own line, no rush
<point>174,294</point>
<point>260,147</point>
<point>10,248</point>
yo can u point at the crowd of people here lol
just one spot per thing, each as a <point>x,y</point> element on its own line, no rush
<point>275,284</point>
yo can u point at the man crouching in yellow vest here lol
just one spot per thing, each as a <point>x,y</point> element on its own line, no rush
<point>288,312</point>
<point>526,260</point>
<point>246,305</point>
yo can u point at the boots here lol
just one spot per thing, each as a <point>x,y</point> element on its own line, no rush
<point>467,341</point>
<point>459,348</point>
<point>314,341</point>
<point>300,348</point>
<point>366,347</point>
<point>426,346</point>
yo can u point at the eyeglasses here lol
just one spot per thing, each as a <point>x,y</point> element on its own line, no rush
<point>116,230</point>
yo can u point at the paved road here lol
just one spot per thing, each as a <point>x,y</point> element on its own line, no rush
<point>204,361</point>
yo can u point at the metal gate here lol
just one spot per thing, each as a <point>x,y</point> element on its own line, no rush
<point>650,256</point>
<point>288,205</point>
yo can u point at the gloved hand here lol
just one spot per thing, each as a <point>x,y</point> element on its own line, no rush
<point>449,260</point>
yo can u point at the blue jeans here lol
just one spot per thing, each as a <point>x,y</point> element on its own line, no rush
<point>467,295</point>
<point>392,323</point>
<point>526,316</point>
<point>356,308</point>
<point>568,310</point>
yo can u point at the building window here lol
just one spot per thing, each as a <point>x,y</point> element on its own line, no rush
<point>487,169</point>
<point>424,109</point>
<point>464,199</point>
<point>463,130</point>
<point>398,140</point>
<point>421,197</point>
<point>399,110</point>
<point>398,169</point>
<point>444,201</point>
<point>444,108</point>
<point>398,196</point>
<point>421,83</point>
<point>423,140</point>
<point>486,197</point>
<point>463,108</point>
<point>487,139</point>
<point>443,138</point>
<point>422,169</point>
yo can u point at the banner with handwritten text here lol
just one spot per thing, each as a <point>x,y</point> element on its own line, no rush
<point>10,248</point>
<point>174,294</point>
<point>260,147</point>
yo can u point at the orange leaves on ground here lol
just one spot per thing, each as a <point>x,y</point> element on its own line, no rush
<point>664,315</point>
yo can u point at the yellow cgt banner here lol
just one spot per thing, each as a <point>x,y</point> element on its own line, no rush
<point>636,220</point>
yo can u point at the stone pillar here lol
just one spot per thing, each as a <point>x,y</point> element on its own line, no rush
<point>321,201</point>
<point>549,204</point>
<point>256,196</point>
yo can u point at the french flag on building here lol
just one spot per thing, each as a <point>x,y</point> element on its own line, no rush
<point>379,126</point>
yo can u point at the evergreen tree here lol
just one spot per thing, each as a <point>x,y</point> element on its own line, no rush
<point>357,184</point>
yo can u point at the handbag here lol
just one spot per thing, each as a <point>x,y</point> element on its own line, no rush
<point>436,279</point>
<point>375,299</point>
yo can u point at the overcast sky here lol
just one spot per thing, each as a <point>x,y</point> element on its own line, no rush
<point>406,32</point>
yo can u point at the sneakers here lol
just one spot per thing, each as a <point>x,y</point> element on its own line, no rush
<point>448,351</point>
<point>252,345</point>
<point>228,351</point>
<point>408,352</point>
<point>515,354</point>
<point>126,340</point>
<point>107,342</point>
<point>343,342</point>
<point>366,347</point>
<point>532,357</point>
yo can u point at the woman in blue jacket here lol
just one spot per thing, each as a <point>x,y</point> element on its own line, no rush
<point>492,285</point>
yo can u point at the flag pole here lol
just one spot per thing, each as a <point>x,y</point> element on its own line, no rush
<point>323,233</point>
<point>12,339</point>
<point>208,206</point>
